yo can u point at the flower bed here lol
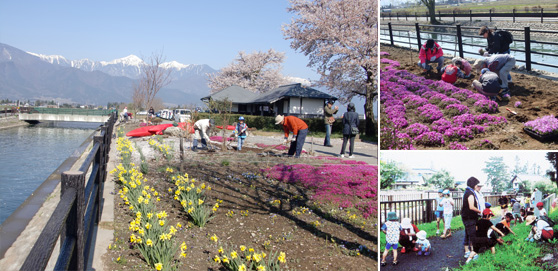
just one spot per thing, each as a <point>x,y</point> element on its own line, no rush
<point>419,111</point>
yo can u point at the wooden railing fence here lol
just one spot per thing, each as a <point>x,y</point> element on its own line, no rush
<point>514,14</point>
<point>78,210</point>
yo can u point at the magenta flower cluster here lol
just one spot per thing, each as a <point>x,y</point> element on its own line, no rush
<point>419,111</point>
<point>349,185</point>
<point>547,125</point>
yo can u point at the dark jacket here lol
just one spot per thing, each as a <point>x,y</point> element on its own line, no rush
<point>466,212</point>
<point>350,119</point>
<point>497,44</point>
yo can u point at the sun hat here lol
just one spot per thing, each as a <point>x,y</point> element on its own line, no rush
<point>487,212</point>
<point>487,205</point>
<point>446,192</point>
<point>540,204</point>
<point>212,122</point>
<point>441,191</point>
<point>421,235</point>
<point>241,118</point>
<point>391,216</point>
<point>530,219</point>
<point>406,222</point>
<point>279,119</point>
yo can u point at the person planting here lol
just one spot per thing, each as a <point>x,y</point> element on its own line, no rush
<point>201,131</point>
<point>450,72</point>
<point>500,64</point>
<point>540,230</point>
<point>431,52</point>
<point>482,239</point>
<point>299,129</point>
<point>408,236</point>
<point>504,225</point>
<point>489,84</point>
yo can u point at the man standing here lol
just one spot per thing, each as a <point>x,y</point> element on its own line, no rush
<point>201,131</point>
<point>299,129</point>
<point>329,111</point>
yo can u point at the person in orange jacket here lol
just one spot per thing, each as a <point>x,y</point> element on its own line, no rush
<point>299,129</point>
<point>431,52</point>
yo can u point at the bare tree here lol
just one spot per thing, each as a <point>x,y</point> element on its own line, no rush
<point>341,40</point>
<point>153,78</point>
<point>258,72</point>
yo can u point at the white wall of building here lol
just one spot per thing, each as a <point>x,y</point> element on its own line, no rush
<point>309,106</point>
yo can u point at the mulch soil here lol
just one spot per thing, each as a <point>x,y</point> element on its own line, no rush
<point>236,179</point>
<point>539,97</point>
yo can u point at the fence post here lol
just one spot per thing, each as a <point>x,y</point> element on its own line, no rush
<point>418,35</point>
<point>74,222</point>
<point>416,18</point>
<point>470,16</point>
<point>453,15</point>
<point>459,40</point>
<point>428,216</point>
<point>406,14</point>
<point>390,34</point>
<point>439,15</point>
<point>99,179</point>
<point>542,15</point>
<point>528,48</point>
<point>514,15</point>
<point>490,11</point>
<point>397,14</point>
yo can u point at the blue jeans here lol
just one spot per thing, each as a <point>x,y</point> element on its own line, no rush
<point>296,147</point>
<point>439,61</point>
<point>240,142</point>
<point>327,136</point>
<point>195,143</point>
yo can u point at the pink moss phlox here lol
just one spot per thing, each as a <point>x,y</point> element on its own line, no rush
<point>486,106</point>
<point>459,133</point>
<point>416,129</point>
<point>456,146</point>
<point>430,139</point>
<point>546,125</point>
<point>441,125</point>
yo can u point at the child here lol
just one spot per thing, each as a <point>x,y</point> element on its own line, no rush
<point>527,202</point>
<point>516,211</point>
<point>439,210</point>
<point>541,230</point>
<point>542,211</point>
<point>392,229</point>
<point>448,204</point>
<point>482,240</point>
<point>240,132</point>
<point>452,71</point>
<point>504,225</point>
<point>466,66</point>
<point>423,244</point>
<point>408,236</point>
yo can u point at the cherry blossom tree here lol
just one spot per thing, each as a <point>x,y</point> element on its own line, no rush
<point>258,72</point>
<point>340,38</point>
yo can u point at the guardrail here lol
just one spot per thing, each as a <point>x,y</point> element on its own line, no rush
<point>77,211</point>
<point>66,111</point>
<point>459,32</point>
<point>422,211</point>
<point>469,13</point>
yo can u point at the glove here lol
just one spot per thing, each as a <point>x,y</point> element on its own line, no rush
<point>433,58</point>
<point>293,139</point>
<point>485,54</point>
<point>285,141</point>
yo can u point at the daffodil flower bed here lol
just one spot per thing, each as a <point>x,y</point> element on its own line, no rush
<point>244,259</point>
<point>164,149</point>
<point>191,198</point>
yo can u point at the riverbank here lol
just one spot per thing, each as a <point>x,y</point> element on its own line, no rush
<point>11,122</point>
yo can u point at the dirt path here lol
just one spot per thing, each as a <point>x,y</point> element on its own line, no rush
<point>538,96</point>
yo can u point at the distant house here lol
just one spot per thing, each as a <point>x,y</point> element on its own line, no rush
<point>414,177</point>
<point>294,100</point>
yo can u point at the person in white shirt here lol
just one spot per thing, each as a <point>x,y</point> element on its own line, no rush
<point>201,131</point>
<point>447,202</point>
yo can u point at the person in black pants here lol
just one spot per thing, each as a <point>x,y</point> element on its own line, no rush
<point>470,213</point>
<point>350,120</point>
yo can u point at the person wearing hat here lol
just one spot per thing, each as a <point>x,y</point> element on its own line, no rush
<point>423,244</point>
<point>329,111</point>
<point>350,122</point>
<point>391,229</point>
<point>299,129</point>
<point>470,212</point>
<point>408,236</point>
<point>201,131</point>
<point>496,42</point>
<point>240,132</point>
<point>447,203</point>
<point>500,64</point>
<point>439,213</point>
<point>489,84</point>
<point>540,231</point>
<point>482,238</point>
<point>431,52</point>
<point>542,211</point>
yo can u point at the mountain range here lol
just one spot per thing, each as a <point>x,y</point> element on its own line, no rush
<point>32,76</point>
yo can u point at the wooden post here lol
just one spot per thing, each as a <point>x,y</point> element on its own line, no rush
<point>390,34</point>
<point>99,179</point>
<point>397,14</point>
<point>514,15</point>
<point>416,17</point>
<point>74,223</point>
<point>181,153</point>
<point>439,15</point>
<point>542,9</point>
<point>490,11</point>
<point>453,16</point>
<point>417,27</point>
<point>528,48</point>
<point>429,216</point>
<point>459,41</point>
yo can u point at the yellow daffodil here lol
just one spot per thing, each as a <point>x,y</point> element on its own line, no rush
<point>242,248</point>
<point>282,257</point>
<point>159,266</point>
<point>261,268</point>
<point>234,255</point>
<point>217,259</point>
<point>214,238</point>
<point>242,267</point>
<point>149,242</point>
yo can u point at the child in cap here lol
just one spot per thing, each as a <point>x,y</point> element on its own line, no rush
<point>482,240</point>
<point>447,203</point>
<point>408,236</point>
<point>423,244</point>
<point>542,211</point>
<point>240,132</point>
<point>392,229</point>
<point>540,231</point>
<point>439,210</point>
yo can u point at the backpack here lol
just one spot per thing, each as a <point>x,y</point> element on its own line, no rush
<point>547,220</point>
<point>506,36</point>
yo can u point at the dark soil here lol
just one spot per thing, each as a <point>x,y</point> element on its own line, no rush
<point>236,180</point>
<point>539,97</point>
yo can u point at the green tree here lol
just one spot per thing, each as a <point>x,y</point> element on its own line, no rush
<point>497,171</point>
<point>552,157</point>
<point>389,173</point>
<point>442,179</point>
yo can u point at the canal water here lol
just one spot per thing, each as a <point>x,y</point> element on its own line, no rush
<point>448,43</point>
<point>28,155</point>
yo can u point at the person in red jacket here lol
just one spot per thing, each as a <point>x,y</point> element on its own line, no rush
<point>431,52</point>
<point>452,71</point>
<point>299,129</point>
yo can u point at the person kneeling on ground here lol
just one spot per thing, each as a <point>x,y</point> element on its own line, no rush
<point>488,84</point>
<point>500,64</point>
<point>466,66</point>
<point>423,245</point>
<point>201,131</point>
<point>540,231</point>
<point>481,239</point>
<point>504,225</point>
<point>299,129</point>
<point>431,52</point>
<point>391,229</point>
<point>452,71</point>
<point>408,236</point>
